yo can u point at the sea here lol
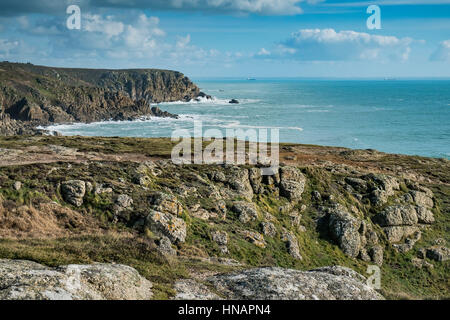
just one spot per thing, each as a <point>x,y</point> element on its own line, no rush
<point>396,116</point>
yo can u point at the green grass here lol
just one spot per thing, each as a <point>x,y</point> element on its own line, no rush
<point>400,279</point>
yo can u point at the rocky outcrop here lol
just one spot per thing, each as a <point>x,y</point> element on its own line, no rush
<point>292,245</point>
<point>246,211</point>
<point>73,191</point>
<point>166,224</point>
<point>26,280</point>
<point>438,253</point>
<point>292,183</point>
<point>402,222</point>
<point>332,283</point>
<point>34,95</point>
<point>164,202</point>
<point>343,228</point>
<point>189,289</point>
<point>221,238</point>
<point>399,215</point>
<point>238,180</point>
<point>254,237</point>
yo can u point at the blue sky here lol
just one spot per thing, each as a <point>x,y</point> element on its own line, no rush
<point>234,38</point>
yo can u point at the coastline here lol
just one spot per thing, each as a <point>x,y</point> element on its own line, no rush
<point>120,205</point>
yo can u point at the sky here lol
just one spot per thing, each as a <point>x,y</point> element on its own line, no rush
<point>234,38</point>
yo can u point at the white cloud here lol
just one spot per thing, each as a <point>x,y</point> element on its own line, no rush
<point>106,26</point>
<point>263,52</point>
<point>442,53</point>
<point>329,45</point>
<point>263,7</point>
<point>7,48</point>
<point>388,3</point>
<point>183,41</point>
<point>142,34</point>
<point>135,40</point>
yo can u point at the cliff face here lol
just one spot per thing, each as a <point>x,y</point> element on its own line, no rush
<point>42,95</point>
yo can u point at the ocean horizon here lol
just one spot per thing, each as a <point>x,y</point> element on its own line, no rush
<point>403,116</point>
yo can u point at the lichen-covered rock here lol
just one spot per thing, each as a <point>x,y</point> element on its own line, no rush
<point>421,263</point>
<point>168,225</point>
<point>410,241</point>
<point>335,283</point>
<point>268,229</point>
<point>26,280</point>
<point>295,218</point>
<point>164,202</point>
<point>73,192</point>
<point>165,247</point>
<point>254,237</point>
<point>422,199</point>
<point>201,213</point>
<point>359,185</point>
<point>101,188</point>
<point>385,186</point>
<point>398,215</point>
<point>17,185</point>
<point>217,176</point>
<point>438,253</point>
<point>384,182</point>
<point>255,178</point>
<point>343,228</point>
<point>378,197</point>
<point>292,245</point>
<point>376,254</point>
<point>246,210</point>
<point>292,183</point>
<point>221,209</point>
<point>397,233</point>
<point>124,202</point>
<point>189,289</point>
<point>424,215</point>
<point>220,237</point>
<point>238,179</point>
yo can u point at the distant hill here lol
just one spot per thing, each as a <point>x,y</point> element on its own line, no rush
<point>42,95</point>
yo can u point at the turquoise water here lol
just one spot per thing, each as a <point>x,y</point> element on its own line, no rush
<point>410,117</point>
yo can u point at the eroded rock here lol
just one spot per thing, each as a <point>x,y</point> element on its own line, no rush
<point>334,283</point>
<point>246,210</point>
<point>254,237</point>
<point>168,225</point>
<point>398,215</point>
<point>26,280</point>
<point>164,202</point>
<point>343,228</point>
<point>73,192</point>
<point>292,183</point>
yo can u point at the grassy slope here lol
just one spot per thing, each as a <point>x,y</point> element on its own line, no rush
<point>400,279</point>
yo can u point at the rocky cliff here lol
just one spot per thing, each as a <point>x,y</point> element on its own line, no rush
<point>41,95</point>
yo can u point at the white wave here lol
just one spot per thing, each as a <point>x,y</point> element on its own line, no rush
<point>83,125</point>
<point>207,120</point>
<point>237,124</point>
<point>318,111</point>
<point>213,101</point>
<point>308,106</point>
